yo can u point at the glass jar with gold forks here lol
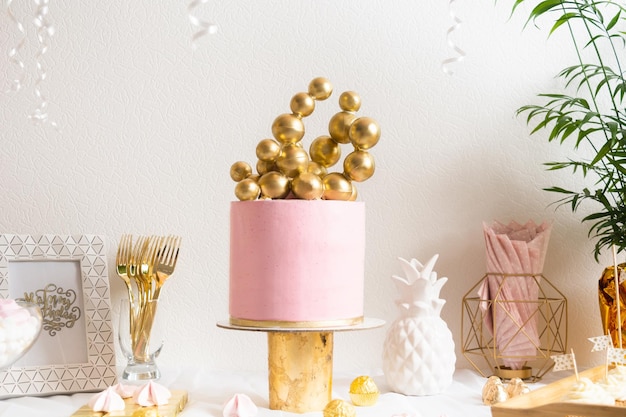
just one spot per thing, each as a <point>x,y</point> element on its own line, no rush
<point>144,265</point>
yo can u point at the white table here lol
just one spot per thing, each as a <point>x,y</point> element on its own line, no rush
<point>208,391</point>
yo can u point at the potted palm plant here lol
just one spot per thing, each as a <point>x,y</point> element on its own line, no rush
<point>592,120</point>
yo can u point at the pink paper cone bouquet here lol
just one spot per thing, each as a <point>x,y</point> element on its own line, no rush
<point>515,258</point>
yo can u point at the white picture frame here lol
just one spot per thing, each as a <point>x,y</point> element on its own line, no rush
<point>67,277</point>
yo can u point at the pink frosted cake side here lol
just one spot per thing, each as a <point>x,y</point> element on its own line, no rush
<point>296,263</point>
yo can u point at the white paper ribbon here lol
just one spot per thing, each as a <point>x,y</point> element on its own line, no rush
<point>44,31</point>
<point>200,26</point>
<point>460,54</point>
<point>14,53</point>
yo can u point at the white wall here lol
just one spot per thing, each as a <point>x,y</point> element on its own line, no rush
<point>148,129</point>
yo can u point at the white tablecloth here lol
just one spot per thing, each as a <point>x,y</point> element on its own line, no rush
<point>208,391</point>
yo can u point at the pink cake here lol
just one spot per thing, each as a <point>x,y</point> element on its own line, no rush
<point>296,263</point>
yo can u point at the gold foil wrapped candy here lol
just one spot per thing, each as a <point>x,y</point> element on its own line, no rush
<point>339,408</point>
<point>363,391</point>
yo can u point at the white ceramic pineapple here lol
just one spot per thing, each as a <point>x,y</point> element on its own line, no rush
<point>418,354</point>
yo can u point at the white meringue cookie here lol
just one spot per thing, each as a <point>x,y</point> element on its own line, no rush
<point>151,394</point>
<point>107,401</point>
<point>240,405</point>
<point>494,391</point>
<point>516,386</point>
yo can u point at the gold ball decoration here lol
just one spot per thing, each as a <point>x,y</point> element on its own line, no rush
<point>350,101</point>
<point>320,88</point>
<point>363,391</point>
<point>307,186</point>
<point>240,170</point>
<point>359,166</point>
<point>339,126</point>
<point>274,185</point>
<point>325,151</point>
<point>336,187</point>
<point>267,150</point>
<point>302,104</point>
<point>286,169</point>
<point>263,167</point>
<point>292,160</point>
<point>364,133</point>
<point>316,169</point>
<point>247,189</point>
<point>288,128</point>
<point>355,193</point>
<point>339,408</point>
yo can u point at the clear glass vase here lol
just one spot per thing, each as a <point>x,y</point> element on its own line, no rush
<point>141,339</point>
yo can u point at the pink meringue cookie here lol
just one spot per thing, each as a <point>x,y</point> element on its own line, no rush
<point>240,405</point>
<point>107,401</point>
<point>9,308</point>
<point>124,391</point>
<point>151,394</point>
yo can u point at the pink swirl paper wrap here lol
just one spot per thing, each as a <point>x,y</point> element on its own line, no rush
<point>513,249</point>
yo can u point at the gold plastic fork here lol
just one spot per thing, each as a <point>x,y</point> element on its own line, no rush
<point>153,249</point>
<point>166,262</point>
<point>148,258</point>
<point>124,251</point>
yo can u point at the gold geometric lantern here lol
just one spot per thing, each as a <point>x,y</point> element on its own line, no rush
<point>492,326</point>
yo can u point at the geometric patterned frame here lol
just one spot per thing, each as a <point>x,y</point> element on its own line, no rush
<point>99,372</point>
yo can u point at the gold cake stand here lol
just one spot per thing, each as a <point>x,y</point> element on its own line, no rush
<point>300,363</point>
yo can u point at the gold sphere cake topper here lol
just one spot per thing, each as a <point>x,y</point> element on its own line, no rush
<point>286,170</point>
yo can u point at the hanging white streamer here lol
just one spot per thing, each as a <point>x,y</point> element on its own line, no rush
<point>44,32</point>
<point>14,53</point>
<point>200,26</point>
<point>460,54</point>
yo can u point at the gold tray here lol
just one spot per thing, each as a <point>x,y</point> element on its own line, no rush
<point>545,401</point>
<point>176,403</point>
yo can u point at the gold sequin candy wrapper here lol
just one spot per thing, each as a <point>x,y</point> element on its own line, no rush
<point>363,391</point>
<point>339,408</point>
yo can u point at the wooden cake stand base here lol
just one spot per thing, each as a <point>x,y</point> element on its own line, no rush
<point>300,364</point>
